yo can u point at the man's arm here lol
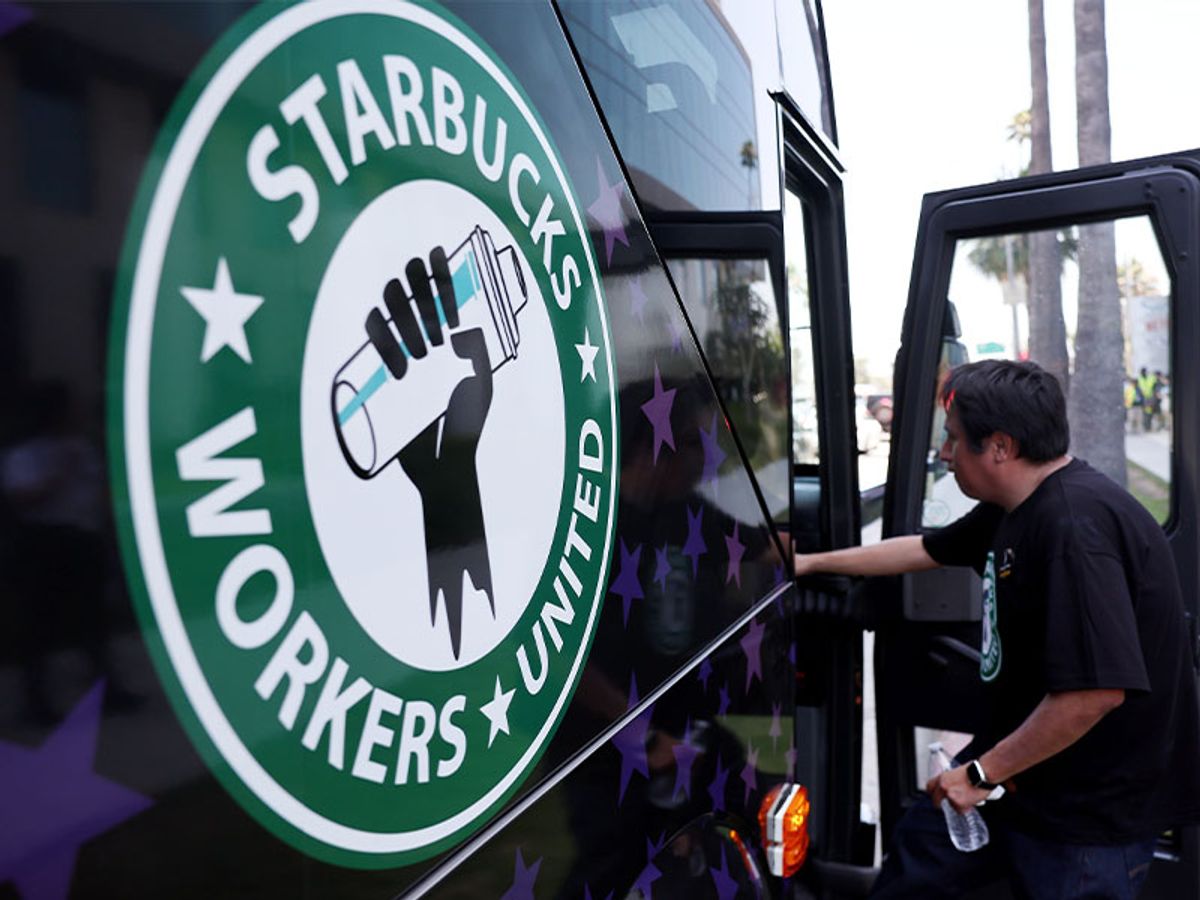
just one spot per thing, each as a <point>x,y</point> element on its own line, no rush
<point>1058,722</point>
<point>894,556</point>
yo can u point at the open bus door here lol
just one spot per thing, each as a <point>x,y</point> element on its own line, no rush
<point>1143,216</point>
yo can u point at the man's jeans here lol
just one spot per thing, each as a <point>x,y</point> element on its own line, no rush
<point>922,863</point>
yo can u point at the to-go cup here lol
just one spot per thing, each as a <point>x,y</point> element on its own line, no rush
<point>375,414</point>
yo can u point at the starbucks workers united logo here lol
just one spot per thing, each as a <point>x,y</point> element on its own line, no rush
<point>367,429</point>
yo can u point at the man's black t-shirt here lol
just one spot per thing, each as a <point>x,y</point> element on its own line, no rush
<point>1080,592</point>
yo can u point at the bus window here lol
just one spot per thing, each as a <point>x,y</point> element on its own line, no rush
<point>804,63</point>
<point>731,304</point>
<point>682,95</point>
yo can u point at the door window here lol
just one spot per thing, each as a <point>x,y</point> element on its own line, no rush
<point>1092,304</point>
<point>805,440</point>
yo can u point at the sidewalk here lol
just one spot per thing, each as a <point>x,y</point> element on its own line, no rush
<point>1151,451</point>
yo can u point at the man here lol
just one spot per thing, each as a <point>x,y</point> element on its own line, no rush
<point>1147,384</point>
<point>1092,718</point>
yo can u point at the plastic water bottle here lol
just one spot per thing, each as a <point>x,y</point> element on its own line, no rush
<point>967,832</point>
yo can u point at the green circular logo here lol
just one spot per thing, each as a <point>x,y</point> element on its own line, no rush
<point>367,438</point>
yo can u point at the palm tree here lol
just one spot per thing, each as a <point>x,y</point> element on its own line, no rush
<point>749,157</point>
<point>1096,408</point>
<point>1135,280</point>
<point>1007,259</point>
<point>1020,129</point>
<point>1047,330</point>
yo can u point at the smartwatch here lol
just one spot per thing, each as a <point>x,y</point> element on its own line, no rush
<point>978,777</point>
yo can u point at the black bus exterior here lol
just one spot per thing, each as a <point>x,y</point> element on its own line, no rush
<point>412,411</point>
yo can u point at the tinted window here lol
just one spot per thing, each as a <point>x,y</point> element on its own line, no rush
<point>678,89</point>
<point>804,61</point>
<point>732,307</point>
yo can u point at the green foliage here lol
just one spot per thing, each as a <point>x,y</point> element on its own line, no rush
<point>990,256</point>
<point>1150,491</point>
<point>747,354</point>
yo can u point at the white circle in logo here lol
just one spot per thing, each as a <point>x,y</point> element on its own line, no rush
<point>371,524</point>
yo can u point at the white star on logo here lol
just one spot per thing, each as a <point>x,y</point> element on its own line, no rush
<point>225,313</point>
<point>587,356</point>
<point>496,711</point>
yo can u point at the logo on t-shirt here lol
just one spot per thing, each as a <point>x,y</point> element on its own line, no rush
<point>1006,563</point>
<point>989,647</point>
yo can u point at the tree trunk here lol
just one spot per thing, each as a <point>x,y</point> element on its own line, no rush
<point>1096,407</point>
<point>1047,330</point>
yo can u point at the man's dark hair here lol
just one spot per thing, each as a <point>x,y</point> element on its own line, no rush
<point>1020,399</point>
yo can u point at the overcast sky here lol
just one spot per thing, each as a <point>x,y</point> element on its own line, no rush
<point>924,92</point>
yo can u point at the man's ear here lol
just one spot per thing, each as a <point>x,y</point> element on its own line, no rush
<point>1004,447</point>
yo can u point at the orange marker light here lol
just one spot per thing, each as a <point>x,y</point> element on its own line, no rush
<point>783,823</point>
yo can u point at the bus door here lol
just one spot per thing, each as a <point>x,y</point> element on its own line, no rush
<point>1093,275</point>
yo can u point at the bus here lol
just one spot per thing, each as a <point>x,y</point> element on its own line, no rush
<point>413,408</point>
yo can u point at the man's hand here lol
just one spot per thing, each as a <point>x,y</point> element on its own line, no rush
<point>953,785</point>
<point>891,557</point>
<point>441,460</point>
<point>804,564</point>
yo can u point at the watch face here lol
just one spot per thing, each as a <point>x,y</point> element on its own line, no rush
<point>975,773</point>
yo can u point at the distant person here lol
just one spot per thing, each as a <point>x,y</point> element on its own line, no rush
<point>1092,720</point>
<point>1161,389</point>
<point>1133,405</point>
<point>1147,384</point>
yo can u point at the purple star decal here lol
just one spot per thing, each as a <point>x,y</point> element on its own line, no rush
<point>726,885</point>
<point>694,546</point>
<point>723,706</point>
<point>12,17</point>
<point>523,879</point>
<point>752,647</point>
<point>736,550</point>
<point>677,333</point>
<point>777,576</point>
<point>705,672</point>
<point>662,566</point>
<point>776,725</point>
<point>658,410</point>
<point>631,742</point>
<point>685,754</point>
<point>626,585</point>
<point>54,803</point>
<point>638,299</point>
<point>713,454</point>
<point>792,653</point>
<point>749,773</point>
<point>650,874</point>
<point>606,210</point>
<point>716,790</point>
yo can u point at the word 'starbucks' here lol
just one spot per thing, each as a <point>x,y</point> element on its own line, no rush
<point>368,427</point>
<point>368,130</point>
